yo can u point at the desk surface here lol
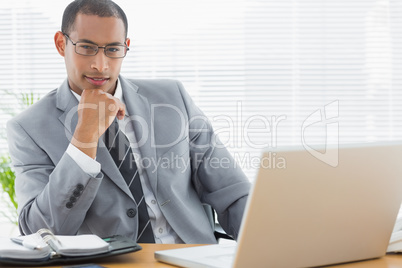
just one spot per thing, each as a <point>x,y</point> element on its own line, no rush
<point>145,258</point>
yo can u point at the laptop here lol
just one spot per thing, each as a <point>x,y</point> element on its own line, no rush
<point>308,213</point>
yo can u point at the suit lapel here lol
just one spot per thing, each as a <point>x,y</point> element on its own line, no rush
<point>68,103</point>
<point>140,114</point>
<point>110,169</point>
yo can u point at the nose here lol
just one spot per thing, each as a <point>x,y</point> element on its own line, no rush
<point>100,61</point>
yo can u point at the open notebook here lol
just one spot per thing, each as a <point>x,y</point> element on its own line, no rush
<point>312,214</point>
<point>43,247</point>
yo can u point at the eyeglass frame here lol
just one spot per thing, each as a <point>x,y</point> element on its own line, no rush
<point>104,48</point>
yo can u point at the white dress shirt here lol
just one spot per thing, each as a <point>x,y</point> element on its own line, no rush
<point>163,232</point>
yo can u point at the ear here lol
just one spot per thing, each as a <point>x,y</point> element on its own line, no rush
<point>60,42</point>
<point>128,42</point>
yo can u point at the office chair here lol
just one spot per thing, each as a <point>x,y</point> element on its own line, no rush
<point>218,230</point>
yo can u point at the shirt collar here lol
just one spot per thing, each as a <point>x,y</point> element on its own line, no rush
<point>117,94</point>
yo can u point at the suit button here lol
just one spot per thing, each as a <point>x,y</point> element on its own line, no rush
<point>76,193</point>
<point>80,187</point>
<point>69,205</point>
<point>131,213</point>
<point>73,199</point>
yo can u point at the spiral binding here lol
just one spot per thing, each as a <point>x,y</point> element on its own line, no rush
<point>48,236</point>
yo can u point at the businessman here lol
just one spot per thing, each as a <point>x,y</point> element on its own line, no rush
<point>107,155</point>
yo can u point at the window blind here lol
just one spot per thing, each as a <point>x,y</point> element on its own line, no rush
<point>263,71</point>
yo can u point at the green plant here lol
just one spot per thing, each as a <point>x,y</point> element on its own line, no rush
<point>7,175</point>
<point>7,178</point>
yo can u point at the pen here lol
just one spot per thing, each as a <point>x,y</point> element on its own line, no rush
<point>25,243</point>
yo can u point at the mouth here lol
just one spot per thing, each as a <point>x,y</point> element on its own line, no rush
<point>97,81</point>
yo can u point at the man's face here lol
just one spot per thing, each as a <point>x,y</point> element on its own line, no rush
<point>98,71</point>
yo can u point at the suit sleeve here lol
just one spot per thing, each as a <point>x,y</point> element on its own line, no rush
<point>50,195</point>
<point>218,179</point>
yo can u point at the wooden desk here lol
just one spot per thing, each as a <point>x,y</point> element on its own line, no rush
<point>145,258</point>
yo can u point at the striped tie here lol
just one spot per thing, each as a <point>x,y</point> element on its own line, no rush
<point>120,150</point>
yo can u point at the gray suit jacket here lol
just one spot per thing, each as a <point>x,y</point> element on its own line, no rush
<point>170,131</point>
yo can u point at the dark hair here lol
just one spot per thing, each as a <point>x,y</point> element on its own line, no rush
<point>101,8</point>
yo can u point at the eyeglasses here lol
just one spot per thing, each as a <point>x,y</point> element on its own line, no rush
<point>89,49</point>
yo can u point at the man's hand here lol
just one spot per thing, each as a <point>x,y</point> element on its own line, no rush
<point>96,111</point>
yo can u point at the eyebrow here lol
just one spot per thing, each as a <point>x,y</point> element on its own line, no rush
<point>91,42</point>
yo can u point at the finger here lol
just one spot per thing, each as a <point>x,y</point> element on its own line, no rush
<point>118,108</point>
<point>122,111</point>
<point>87,93</point>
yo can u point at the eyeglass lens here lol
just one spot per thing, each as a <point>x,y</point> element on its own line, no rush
<point>88,49</point>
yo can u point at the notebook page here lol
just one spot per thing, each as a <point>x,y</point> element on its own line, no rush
<point>10,249</point>
<point>79,245</point>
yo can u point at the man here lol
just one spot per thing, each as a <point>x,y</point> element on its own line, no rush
<point>68,176</point>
